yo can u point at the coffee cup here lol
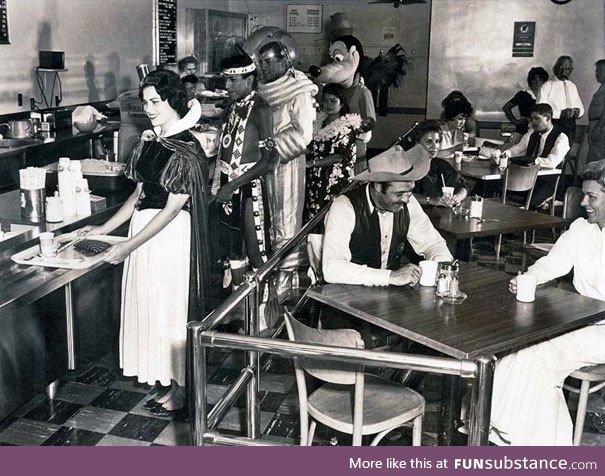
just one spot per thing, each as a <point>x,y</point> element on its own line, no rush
<point>526,288</point>
<point>239,267</point>
<point>447,192</point>
<point>428,272</point>
<point>458,157</point>
<point>47,244</point>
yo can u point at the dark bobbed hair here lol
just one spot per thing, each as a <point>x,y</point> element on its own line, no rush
<point>455,107</point>
<point>170,87</point>
<point>189,78</point>
<point>600,62</point>
<point>537,71</point>
<point>239,61</point>
<point>338,91</point>
<point>430,125</point>
<point>543,109</point>
<point>186,60</point>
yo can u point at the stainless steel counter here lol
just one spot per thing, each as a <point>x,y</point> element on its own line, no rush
<point>51,319</point>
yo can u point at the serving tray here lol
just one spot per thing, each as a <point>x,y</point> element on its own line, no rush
<point>68,258</point>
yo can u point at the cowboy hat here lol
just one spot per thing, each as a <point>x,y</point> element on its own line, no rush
<point>397,165</point>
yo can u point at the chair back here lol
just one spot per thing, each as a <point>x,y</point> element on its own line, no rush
<point>314,250</point>
<point>520,178</point>
<point>326,370</point>
<point>571,203</point>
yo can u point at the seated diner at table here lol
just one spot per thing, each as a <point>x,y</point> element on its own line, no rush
<point>470,125</point>
<point>546,146</point>
<point>368,229</point>
<point>452,127</point>
<point>441,173</point>
<point>525,100</point>
<point>528,405</point>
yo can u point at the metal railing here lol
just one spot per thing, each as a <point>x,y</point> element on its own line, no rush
<point>202,334</point>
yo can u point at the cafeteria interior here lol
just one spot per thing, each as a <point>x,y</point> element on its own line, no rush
<point>63,386</point>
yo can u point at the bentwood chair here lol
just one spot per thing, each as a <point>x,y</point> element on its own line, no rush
<point>577,154</point>
<point>517,178</point>
<point>587,375</point>
<point>349,401</point>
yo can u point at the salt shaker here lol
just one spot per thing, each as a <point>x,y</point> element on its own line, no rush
<point>476,207</point>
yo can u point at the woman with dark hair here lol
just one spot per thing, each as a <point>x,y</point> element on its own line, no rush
<point>525,100</point>
<point>165,257</point>
<point>441,173</point>
<point>470,124</point>
<point>333,152</point>
<point>454,117</point>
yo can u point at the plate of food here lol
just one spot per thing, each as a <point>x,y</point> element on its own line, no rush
<point>71,253</point>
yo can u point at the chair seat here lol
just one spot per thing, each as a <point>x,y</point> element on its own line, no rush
<point>592,373</point>
<point>385,405</point>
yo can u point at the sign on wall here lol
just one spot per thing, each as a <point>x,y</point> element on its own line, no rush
<point>166,32</point>
<point>3,23</point>
<point>303,18</point>
<point>523,39</point>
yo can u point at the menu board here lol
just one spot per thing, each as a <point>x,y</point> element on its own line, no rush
<point>166,22</point>
<point>303,18</point>
<point>3,23</point>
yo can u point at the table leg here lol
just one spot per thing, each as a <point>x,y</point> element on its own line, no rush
<point>69,320</point>
<point>449,410</point>
<point>481,402</point>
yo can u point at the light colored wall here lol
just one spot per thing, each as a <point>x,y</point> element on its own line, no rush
<point>111,35</point>
<point>471,48</point>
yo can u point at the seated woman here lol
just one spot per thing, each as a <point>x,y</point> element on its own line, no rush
<point>525,100</point>
<point>333,151</point>
<point>441,173</point>
<point>470,126</point>
<point>455,115</point>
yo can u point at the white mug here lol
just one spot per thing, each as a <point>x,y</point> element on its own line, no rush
<point>429,272</point>
<point>526,288</point>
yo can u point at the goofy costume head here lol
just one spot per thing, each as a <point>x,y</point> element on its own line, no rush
<point>345,54</point>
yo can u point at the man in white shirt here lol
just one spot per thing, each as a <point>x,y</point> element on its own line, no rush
<point>563,97</point>
<point>528,406</point>
<point>367,228</point>
<point>546,145</point>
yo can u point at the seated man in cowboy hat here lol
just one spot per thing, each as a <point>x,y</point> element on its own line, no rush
<point>367,228</point>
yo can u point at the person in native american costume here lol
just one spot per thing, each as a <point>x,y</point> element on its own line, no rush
<point>246,155</point>
<point>290,95</point>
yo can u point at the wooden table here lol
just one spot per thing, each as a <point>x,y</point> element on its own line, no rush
<point>486,170</point>
<point>490,323</point>
<point>457,231</point>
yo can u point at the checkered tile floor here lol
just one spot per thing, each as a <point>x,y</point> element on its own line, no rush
<point>96,406</point>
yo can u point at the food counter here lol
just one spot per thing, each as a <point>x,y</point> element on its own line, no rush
<point>66,142</point>
<point>51,319</point>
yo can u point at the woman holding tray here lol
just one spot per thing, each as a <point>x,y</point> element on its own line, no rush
<point>165,256</point>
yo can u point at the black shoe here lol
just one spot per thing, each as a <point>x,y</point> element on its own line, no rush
<point>151,403</point>
<point>160,411</point>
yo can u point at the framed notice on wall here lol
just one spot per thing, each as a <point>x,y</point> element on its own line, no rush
<point>3,23</point>
<point>165,32</point>
<point>523,39</point>
<point>303,18</point>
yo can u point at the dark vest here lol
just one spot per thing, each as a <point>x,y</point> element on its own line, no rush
<point>534,144</point>
<point>365,239</point>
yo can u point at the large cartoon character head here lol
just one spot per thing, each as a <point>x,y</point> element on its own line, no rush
<point>345,54</point>
<point>273,51</point>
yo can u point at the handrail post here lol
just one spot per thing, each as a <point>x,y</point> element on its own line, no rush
<point>197,354</point>
<point>252,328</point>
<point>482,399</point>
